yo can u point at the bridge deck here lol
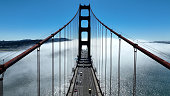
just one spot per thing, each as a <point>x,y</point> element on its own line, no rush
<point>83,80</point>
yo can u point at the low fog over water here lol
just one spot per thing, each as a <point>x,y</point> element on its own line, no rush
<point>152,78</point>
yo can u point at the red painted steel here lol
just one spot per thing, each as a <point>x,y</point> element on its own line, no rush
<point>151,55</point>
<point>20,56</point>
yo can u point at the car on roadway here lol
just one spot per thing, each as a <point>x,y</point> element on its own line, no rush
<point>75,90</point>
<point>81,73</point>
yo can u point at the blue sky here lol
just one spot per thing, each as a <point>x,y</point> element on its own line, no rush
<point>34,19</point>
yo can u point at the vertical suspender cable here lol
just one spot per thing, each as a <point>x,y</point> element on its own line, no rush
<point>52,66</point>
<point>111,64</point>
<point>72,43</point>
<point>102,57</point>
<point>105,58</point>
<point>67,54</point>
<point>134,75</point>
<point>93,34</point>
<point>77,35</point>
<point>38,71</point>
<point>119,66</point>
<point>91,41</point>
<point>64,57</point>
<point>100,54</point>
<point>99,69</point>
<point>60,63</point>
<point>71,35</point>
<point>96,48</point>
<point>99,49</point>
<point>70,46</point>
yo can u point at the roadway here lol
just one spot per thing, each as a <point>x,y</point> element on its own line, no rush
<point>83,80</point>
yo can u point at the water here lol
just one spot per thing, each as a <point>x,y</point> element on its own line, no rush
<point>152,78</point>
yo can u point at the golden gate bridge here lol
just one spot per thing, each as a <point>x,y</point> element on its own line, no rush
<point>92,45</point>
